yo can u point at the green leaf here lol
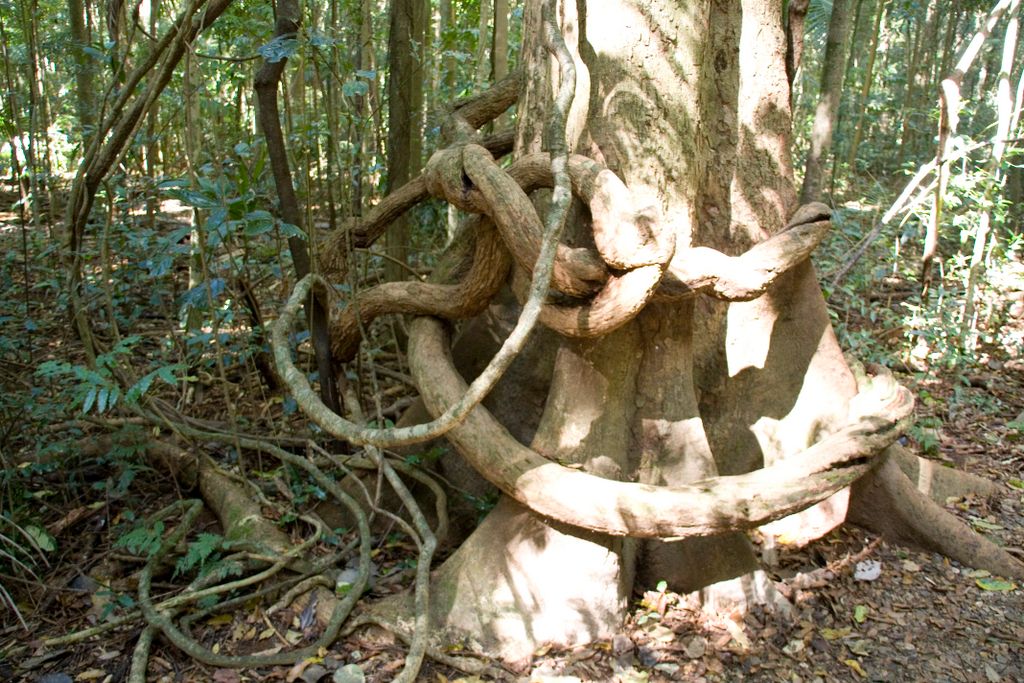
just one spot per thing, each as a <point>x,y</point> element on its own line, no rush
<point>280,48</point>
<point>1016,483</point>
<point>289,230</point>
<point>199,551</point>
<point>42,539</point>
<point>90,398</point>
<point>142,540</point>
<point>983,525</point>
<point>353,88</point>
<point>166,373</point>
<point>994,584</point>
<point>860,613</point>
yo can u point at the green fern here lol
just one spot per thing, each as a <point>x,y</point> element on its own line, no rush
<point>142,541</point>
<point>198,553</point>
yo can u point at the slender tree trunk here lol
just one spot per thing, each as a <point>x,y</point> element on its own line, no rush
<point>922,55</point>
<point>28,22</point>
<point>827,111</point>
<point>404,99</point>
<point>483,65</point>
<point>1004,102</point>
<point>949,120</point>
<point>499,52</point>
<point>152,124</point>
<point>865,88</point>
<point>266,86</point>
<point>84,72</point>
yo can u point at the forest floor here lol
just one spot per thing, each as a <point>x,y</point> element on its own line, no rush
<point>865,610</point>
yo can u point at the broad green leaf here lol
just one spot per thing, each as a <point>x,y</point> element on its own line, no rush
<point>41,538</point>
<point>280,48</point>
<point>90,398</point>
<point>995,584</point>
<point>985,525</point>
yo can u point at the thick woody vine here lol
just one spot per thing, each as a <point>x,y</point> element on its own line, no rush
<point>635,261</point>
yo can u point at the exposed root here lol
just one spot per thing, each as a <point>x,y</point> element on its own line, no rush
<point>938,482</point>
<point>887,502</point>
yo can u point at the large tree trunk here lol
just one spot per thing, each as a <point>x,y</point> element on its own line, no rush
<point>711,142</point>
<point>690,108</point>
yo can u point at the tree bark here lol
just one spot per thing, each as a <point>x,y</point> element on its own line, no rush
<point>84,73</point>
<point>404,81</point>
<point>827,111</point>
<point>499,53</point>
<point>266,85</point>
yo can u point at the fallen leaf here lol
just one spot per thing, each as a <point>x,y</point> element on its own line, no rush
<point>293,637</point>
<point>694,647</point>
<point>226,676</point>
<point>994,584</point>
<point>350,673</point>
<point>90,675</point>
<point>855,665</point>
<point>662,634</point>
<point>220,619</point>
<point>835,633</point>
<point>978,573</point>
<point>1016,483</point>
<point>860,647</point>
<point>794,647</point>
<point>909,566</point>
<point>860,613</point>
<point>737,634</point>
<point>297,669</point>
<point>985,525</point>
<point>266,633</point>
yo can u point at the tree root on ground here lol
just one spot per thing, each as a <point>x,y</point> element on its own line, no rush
<point>938,482</point>
<point>242,521</point>
<point>887,502</point>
